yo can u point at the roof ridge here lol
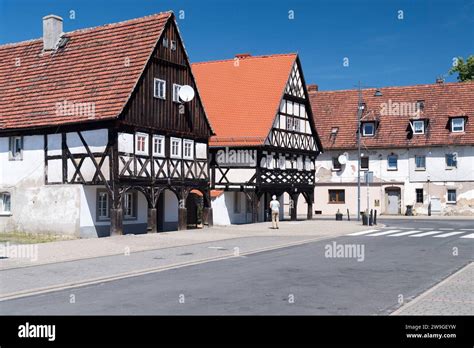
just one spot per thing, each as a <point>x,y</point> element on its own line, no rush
<point>394,87</point>
<point>90,28</point>
<point>246,58</point>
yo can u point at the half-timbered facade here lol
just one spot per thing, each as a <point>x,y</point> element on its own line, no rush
<point>94,135</point>
<point>265,142</point>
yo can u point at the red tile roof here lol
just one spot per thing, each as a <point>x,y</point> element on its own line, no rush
<point>441,100</point>
<point>241,100</point>
<point>98,65</point>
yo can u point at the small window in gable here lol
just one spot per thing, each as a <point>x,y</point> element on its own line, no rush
<point>173,45</point>
<point>289,123</point>
<point>176,89</point>
<point>159,89</point>
<point>457,124</point>
<point>165,42</point>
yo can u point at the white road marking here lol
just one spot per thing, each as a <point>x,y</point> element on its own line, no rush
<point>218,248</point>
<point>444,235</point>
<point>426,234</point>
<point>383,233</point>
<point>467,229</point>
<point>361,233</point>
<point>468,236</point>
<point>404,233</point>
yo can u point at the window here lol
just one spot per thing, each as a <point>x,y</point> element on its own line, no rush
<point>173,45</point>
<point>5,203</point>
<point>419,127</point>
<point>451,196</point>
<point>237,203</point>
<point>336,165</point>
<point>451,161</point>
<point>364,163</point>
<point>336,196</point>
<point>188,146</point>
<point>175,147</point>
<point>165,42</point>
<point>296,124</point>
<point>160,89</point>
<point>141,142</point>
<point>392,162</point>
<point>289,123</point>
<point>420,162</point>
<point>368,129</point>
<point>457,125</point>
<point>16,148</point>
<point>102,205</point>
<point>419,195</point>
<point>129,206</point>
<point>158,145</point>
<point>176,89</point>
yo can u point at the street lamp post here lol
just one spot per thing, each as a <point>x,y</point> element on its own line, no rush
<point>359,116</point>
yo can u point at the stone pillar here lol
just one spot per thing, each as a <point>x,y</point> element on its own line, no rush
<point>182,219</point>
<point>310,211</point>
<point>294,208</point>
<point>152,228</point>
<point>207,217</point>
<point>116,222</point>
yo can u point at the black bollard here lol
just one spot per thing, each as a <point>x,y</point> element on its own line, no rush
<point>375,217</point>
<point>348,215</point>
<point>371,217</point>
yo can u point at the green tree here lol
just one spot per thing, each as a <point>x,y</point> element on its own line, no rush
<point>465,69</point>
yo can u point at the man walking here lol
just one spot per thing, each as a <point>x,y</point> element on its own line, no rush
<point>275,208</point>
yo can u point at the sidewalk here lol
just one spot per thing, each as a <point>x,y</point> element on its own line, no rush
<point>452,296</point>
<point>78,249</point>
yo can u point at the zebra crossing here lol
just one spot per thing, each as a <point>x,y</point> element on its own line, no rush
<point>464,233</point>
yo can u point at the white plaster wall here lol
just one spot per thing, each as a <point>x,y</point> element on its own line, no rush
<point>224,209</point>
<point>406,177</point>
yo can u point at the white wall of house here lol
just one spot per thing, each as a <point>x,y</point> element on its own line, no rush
<point>435,180</point>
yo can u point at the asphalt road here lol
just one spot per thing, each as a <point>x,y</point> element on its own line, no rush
<point>292,280</point>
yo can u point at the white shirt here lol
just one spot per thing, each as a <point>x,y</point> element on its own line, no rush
<point>275,206</point>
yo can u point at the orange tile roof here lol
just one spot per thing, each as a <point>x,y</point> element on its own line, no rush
<point>99,65</point>
<point>241,97</point>
<point>338,109</point>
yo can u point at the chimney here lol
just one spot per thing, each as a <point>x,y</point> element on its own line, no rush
<point>313,88</point>
<point>243,55</point>
<point>439,80</point>
<point>52,30</point>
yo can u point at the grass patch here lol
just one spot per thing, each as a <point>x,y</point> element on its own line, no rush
<point>30,238</point>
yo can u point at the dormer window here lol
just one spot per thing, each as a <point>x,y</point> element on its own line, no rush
<point>418,127</point>
<point>457,124</point>
<point>368,129</point>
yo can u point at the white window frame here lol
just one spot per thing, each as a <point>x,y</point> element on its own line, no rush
<point>3,210</point>
<point>297,124</point>
<point>422,128</point>
<point>462,124</point>
<point>455,196</point>
<point>107,207</point>
<point>179,141</point>
<point>156,91</point>
<point>364,133</point>
<point>176,93</point>
<point>388,162</point>
<point>416,166</point>
<point>290,123</point>
<point>145,143</point>
<point>16,154</point>
<point>191,147</point>
<point>162,152</point>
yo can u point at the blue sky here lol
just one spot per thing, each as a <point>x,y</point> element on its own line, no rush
<point>382,49</point>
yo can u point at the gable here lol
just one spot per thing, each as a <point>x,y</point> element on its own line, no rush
<point>169,63</point>
<point>293,125</point>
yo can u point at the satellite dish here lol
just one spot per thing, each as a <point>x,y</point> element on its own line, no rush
<point>342,159</point>
<point>186,93</point>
